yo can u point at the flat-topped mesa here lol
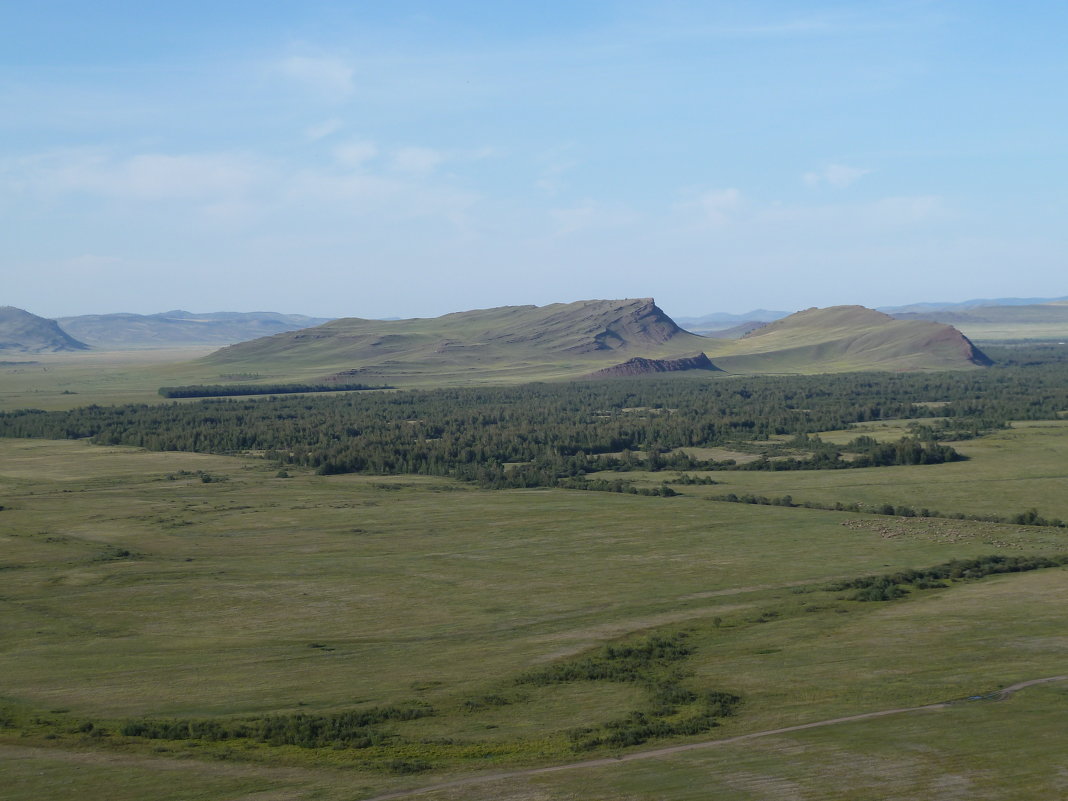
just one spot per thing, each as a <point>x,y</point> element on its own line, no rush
<point>518,333</point>
<point>642,366</point>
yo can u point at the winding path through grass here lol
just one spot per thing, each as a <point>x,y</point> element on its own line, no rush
<point>653,753</point>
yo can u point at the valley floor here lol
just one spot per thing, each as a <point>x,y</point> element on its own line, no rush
<point>170,586</point>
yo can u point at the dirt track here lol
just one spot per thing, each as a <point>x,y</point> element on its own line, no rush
<point>309,775</point>
<point>653,753</point>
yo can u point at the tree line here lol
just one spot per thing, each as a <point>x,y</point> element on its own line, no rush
<point>540,434</point>
<point>237,390</point>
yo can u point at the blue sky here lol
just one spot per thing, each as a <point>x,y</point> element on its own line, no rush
<point>415,158</point>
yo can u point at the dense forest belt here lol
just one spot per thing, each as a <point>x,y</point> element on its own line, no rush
<point>654,753</point>
<point>540,434</point>
<point>236,390</point>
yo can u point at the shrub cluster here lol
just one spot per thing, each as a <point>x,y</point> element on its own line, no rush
<point>652,663</point>
<point>888,586</point>
<point>633,662</point>
<point>353,729</point>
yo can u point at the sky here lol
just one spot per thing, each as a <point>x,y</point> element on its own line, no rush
<point>410,159</point>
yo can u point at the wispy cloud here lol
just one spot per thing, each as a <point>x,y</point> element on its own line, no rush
<point>590,214</point>
<point>417,159</point>
<point>148,176</point>
<point>857,218</point>
<point>328,76</point>
<point>837,176</point>
<point>323,129</point>
<point>233,190</point>
<point>355,154</point>
<point>557,163</point>
<point>717,206</point>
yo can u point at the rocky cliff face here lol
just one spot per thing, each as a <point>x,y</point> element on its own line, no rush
<point>642,366</point>
<point>643,323</point>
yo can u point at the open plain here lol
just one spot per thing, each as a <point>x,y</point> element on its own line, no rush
<point>146,587</point>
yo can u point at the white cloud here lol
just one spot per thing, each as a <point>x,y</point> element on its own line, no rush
<point>844,219</point>
<point>417,159</point>
<point>149,176</point>
<point>356,153</point>
<point>556,164</point>
<point>227,191</point>
<point>590,214</point>
<point>323,129</point>
<point>909,210</point>
<point>328,76</point>
<point>838,176</point>
<point>718,205</point>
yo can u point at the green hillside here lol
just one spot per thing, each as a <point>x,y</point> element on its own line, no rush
<point>506,343</point>
<point>575,339</point>
<point>846,338</point>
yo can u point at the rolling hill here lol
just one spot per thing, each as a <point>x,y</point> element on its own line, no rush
<point>180,328</point>
<point>607,337</point>
<point>559,340</point>
<point>846,338</point>
<point>22,332</point>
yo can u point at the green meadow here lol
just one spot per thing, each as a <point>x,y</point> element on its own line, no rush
<point>1006,473</point>
<point>142,586</point>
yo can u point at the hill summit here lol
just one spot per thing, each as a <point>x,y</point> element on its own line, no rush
<point>592,337</point>
<point>840,338</point>
<point>508,340</point>
<point>23,332</point>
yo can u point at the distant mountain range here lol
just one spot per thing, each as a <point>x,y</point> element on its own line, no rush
<point>180,328</point>
<point>723,325</point>
<point>510,343</point>
<point>562,340</point>
<point>725,319</point>
<point>1056,312</point>
<point>922,308</point>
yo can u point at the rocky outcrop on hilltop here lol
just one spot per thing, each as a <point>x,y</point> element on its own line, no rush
<point>643,366</point>
<point>643,323</point>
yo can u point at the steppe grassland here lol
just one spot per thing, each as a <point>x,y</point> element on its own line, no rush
<point>251,594</point>
<point>1006,473</point>
<point>992,751</point>
<point>61,381</point>
<point>409,580</point>
<point>55,381</point>
<point>1013,332</point>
